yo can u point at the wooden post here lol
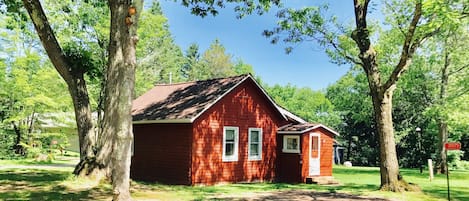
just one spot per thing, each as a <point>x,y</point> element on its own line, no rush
<point>430,168</point>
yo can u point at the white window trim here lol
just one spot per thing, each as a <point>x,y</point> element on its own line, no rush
<point>285,150</point>
<point>132,148</point>
<point>259,157</point>
<point>236,142</point>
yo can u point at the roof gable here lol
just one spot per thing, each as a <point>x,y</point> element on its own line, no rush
<point>185,102</point>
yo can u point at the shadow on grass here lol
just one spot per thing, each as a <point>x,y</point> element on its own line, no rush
<point>42,185</point>
<point>33,176</point>
<point>456,193</point>
<point>300,195</point>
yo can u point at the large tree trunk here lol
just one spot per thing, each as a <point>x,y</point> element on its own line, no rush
<point>382,90</point>
<point>74,79</point>
<point>82,107</point>
<point>119,93</point>
<point>389,166</point>
<point>88,166</point>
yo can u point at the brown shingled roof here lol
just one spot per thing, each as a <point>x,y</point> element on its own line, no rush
<point>303,127</point>
<point>184,101</point>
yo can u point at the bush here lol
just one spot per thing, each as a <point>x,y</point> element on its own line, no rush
<point>461,165</point>
<point>7,141</point>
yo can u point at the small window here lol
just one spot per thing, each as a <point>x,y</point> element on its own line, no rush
<point>230,143</point>
<point>255,144</point>
<point>291,144</point>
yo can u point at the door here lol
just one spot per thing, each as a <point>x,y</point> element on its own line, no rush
<point>314,154</point>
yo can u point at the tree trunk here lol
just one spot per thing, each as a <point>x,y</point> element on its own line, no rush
<point>88,165</point>
<point>81,104</point>
<point>389,166</point>
<point>442,139</point>
<point>382,90</point>
<point>19,149</point>
<point>119,93</point>
<point>349,147</point>
<point>75,81</point>
<point>442,125</point>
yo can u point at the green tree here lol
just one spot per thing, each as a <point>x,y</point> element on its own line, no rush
<point>158,57</point>
<point>313,106</point>
<point>120,75</point>
<point>447,54</point>
<point>30,88</point>
<point>214,63</point>
<point>351,102</point>
<point>192,57</point>
<point>359,48</point>
<point>70,60</point>
<point>242,68</point>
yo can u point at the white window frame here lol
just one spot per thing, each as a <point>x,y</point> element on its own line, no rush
<point>132,148</point>
<point>258,157</point>
<point>285,139</point>
<point>234,157</point>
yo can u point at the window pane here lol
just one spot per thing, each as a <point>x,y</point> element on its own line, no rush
<point>254,149</point>
<point>230,136</point>
<point>292,143</point>
<point>229,149</point>
<point>254,136</point>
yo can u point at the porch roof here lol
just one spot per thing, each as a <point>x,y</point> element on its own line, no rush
<point>303,128</point>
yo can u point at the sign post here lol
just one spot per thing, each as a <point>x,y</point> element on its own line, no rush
<point>450,146</point>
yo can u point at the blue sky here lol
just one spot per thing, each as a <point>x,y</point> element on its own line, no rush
<point>306,66</point>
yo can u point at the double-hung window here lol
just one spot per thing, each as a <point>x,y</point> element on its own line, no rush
<point>230,143</point>
<point>255,144</point>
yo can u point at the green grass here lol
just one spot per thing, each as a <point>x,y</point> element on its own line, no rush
<point>59,184</point>
<point>58,160</point>
<point>366,181</point>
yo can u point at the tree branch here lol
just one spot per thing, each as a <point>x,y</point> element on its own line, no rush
<point>361,34</point>
<point>408,48</point>
<point>458,70</point>
<point>47,37</point>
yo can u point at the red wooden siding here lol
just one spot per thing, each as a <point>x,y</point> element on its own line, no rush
<point>326,148</point>
<point>294,167</point>
<point>162,153</point>
<point>245,107</point>
<point>288,164</point>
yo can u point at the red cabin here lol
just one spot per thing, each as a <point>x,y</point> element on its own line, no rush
<point>215,131</point>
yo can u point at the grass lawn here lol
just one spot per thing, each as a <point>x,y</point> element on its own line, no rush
<point>58,184</point>
<point>365,180</point>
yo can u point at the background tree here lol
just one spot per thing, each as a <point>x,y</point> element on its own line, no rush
<point>349,95</point>
<point>309,24</point>
<point>313,106</point>
<point>447,56</point>
<point>158,56</point>
<point>24,96</point>
<point>192,59</point>
<point>72,65</point>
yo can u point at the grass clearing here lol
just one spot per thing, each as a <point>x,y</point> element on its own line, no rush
<point>55,182</point>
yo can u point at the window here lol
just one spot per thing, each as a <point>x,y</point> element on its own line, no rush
<point>291,144</point>
<point>230,143</point>
<point>255,144</point>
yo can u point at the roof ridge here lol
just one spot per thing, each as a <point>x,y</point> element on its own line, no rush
<point>207,80</point>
